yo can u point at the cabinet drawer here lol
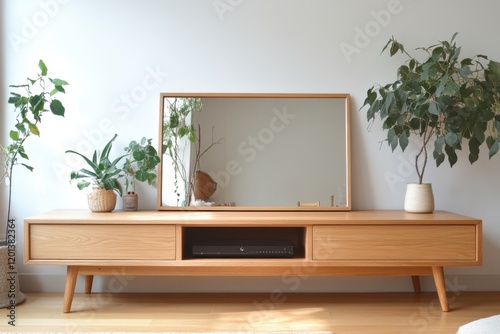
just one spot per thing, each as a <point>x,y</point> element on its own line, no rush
<point>395,243</point>
<point>102,242</point>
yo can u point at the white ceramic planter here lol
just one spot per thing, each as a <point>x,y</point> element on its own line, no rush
<point>419,198</point>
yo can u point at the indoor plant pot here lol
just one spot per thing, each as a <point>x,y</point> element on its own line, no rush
<point>419,198</point>
<point>103,175</point>
<point>101,200</point>
<point>140,165</point>
<point>130,201</point>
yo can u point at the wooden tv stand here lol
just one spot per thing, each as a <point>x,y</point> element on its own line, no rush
<point>373,243</point>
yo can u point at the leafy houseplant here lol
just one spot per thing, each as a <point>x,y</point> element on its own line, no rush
<point>37,99</point>
<point>104,175</point>
<point>140,165</point>
<point>442,100</point>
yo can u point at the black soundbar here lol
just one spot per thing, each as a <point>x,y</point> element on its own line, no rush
<point>243,249</point>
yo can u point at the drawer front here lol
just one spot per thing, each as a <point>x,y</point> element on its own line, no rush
<point>395,243</point>
<point>102,242</point>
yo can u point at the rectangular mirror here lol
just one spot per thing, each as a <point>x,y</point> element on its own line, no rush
<point>267,152</point>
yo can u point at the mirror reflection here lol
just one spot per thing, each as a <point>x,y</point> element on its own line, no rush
<point>254,152</point>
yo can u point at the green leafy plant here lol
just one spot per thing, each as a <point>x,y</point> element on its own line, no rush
<point>103,173</point>
<point>442,100</point>
<point>140,164</point>
<point>31,101</point>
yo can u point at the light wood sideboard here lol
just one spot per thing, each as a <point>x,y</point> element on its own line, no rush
<point>367,243</point>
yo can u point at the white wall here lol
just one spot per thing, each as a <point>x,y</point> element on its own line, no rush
<point>118,55</point>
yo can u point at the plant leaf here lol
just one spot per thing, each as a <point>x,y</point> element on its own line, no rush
<point>57,108</point>
<point>493,146</point>
<point>452,156</point>
<point>392,139</point>
<point>42,67</point>
<point>28,167</point>
<point>473,150</point>
<point>403,141</point>
<point>14,135</point>
<point>34,129</point>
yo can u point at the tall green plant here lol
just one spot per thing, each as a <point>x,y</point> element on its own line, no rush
<point>442,99</point>
<point>31,101</point>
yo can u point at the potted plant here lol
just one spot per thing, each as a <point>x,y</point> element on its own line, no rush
<point>140,165</point>
<point>103,175</point>
<point>36,100</point>
<point>441,100</point>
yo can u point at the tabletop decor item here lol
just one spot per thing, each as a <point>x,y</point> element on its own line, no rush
<point>103,175</point>
<point>140,165</point>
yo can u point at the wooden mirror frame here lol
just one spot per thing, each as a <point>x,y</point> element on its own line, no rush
<point>348,195</point>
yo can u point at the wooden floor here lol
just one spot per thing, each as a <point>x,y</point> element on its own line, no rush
<point>382,313</point>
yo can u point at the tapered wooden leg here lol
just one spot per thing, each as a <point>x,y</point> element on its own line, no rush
<point>89,279</point>
<point>438,273</point>
<point>69,289</point>
<point>416,284</point>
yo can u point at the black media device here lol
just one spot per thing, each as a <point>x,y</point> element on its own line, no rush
<point>243,249</point>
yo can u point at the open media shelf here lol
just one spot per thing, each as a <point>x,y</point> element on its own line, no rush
<point>243,242</point>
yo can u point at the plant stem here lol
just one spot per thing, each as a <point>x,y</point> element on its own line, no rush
<point>427,135</point>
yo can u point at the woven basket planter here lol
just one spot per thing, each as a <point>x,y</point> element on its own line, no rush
<point>101,200</point>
